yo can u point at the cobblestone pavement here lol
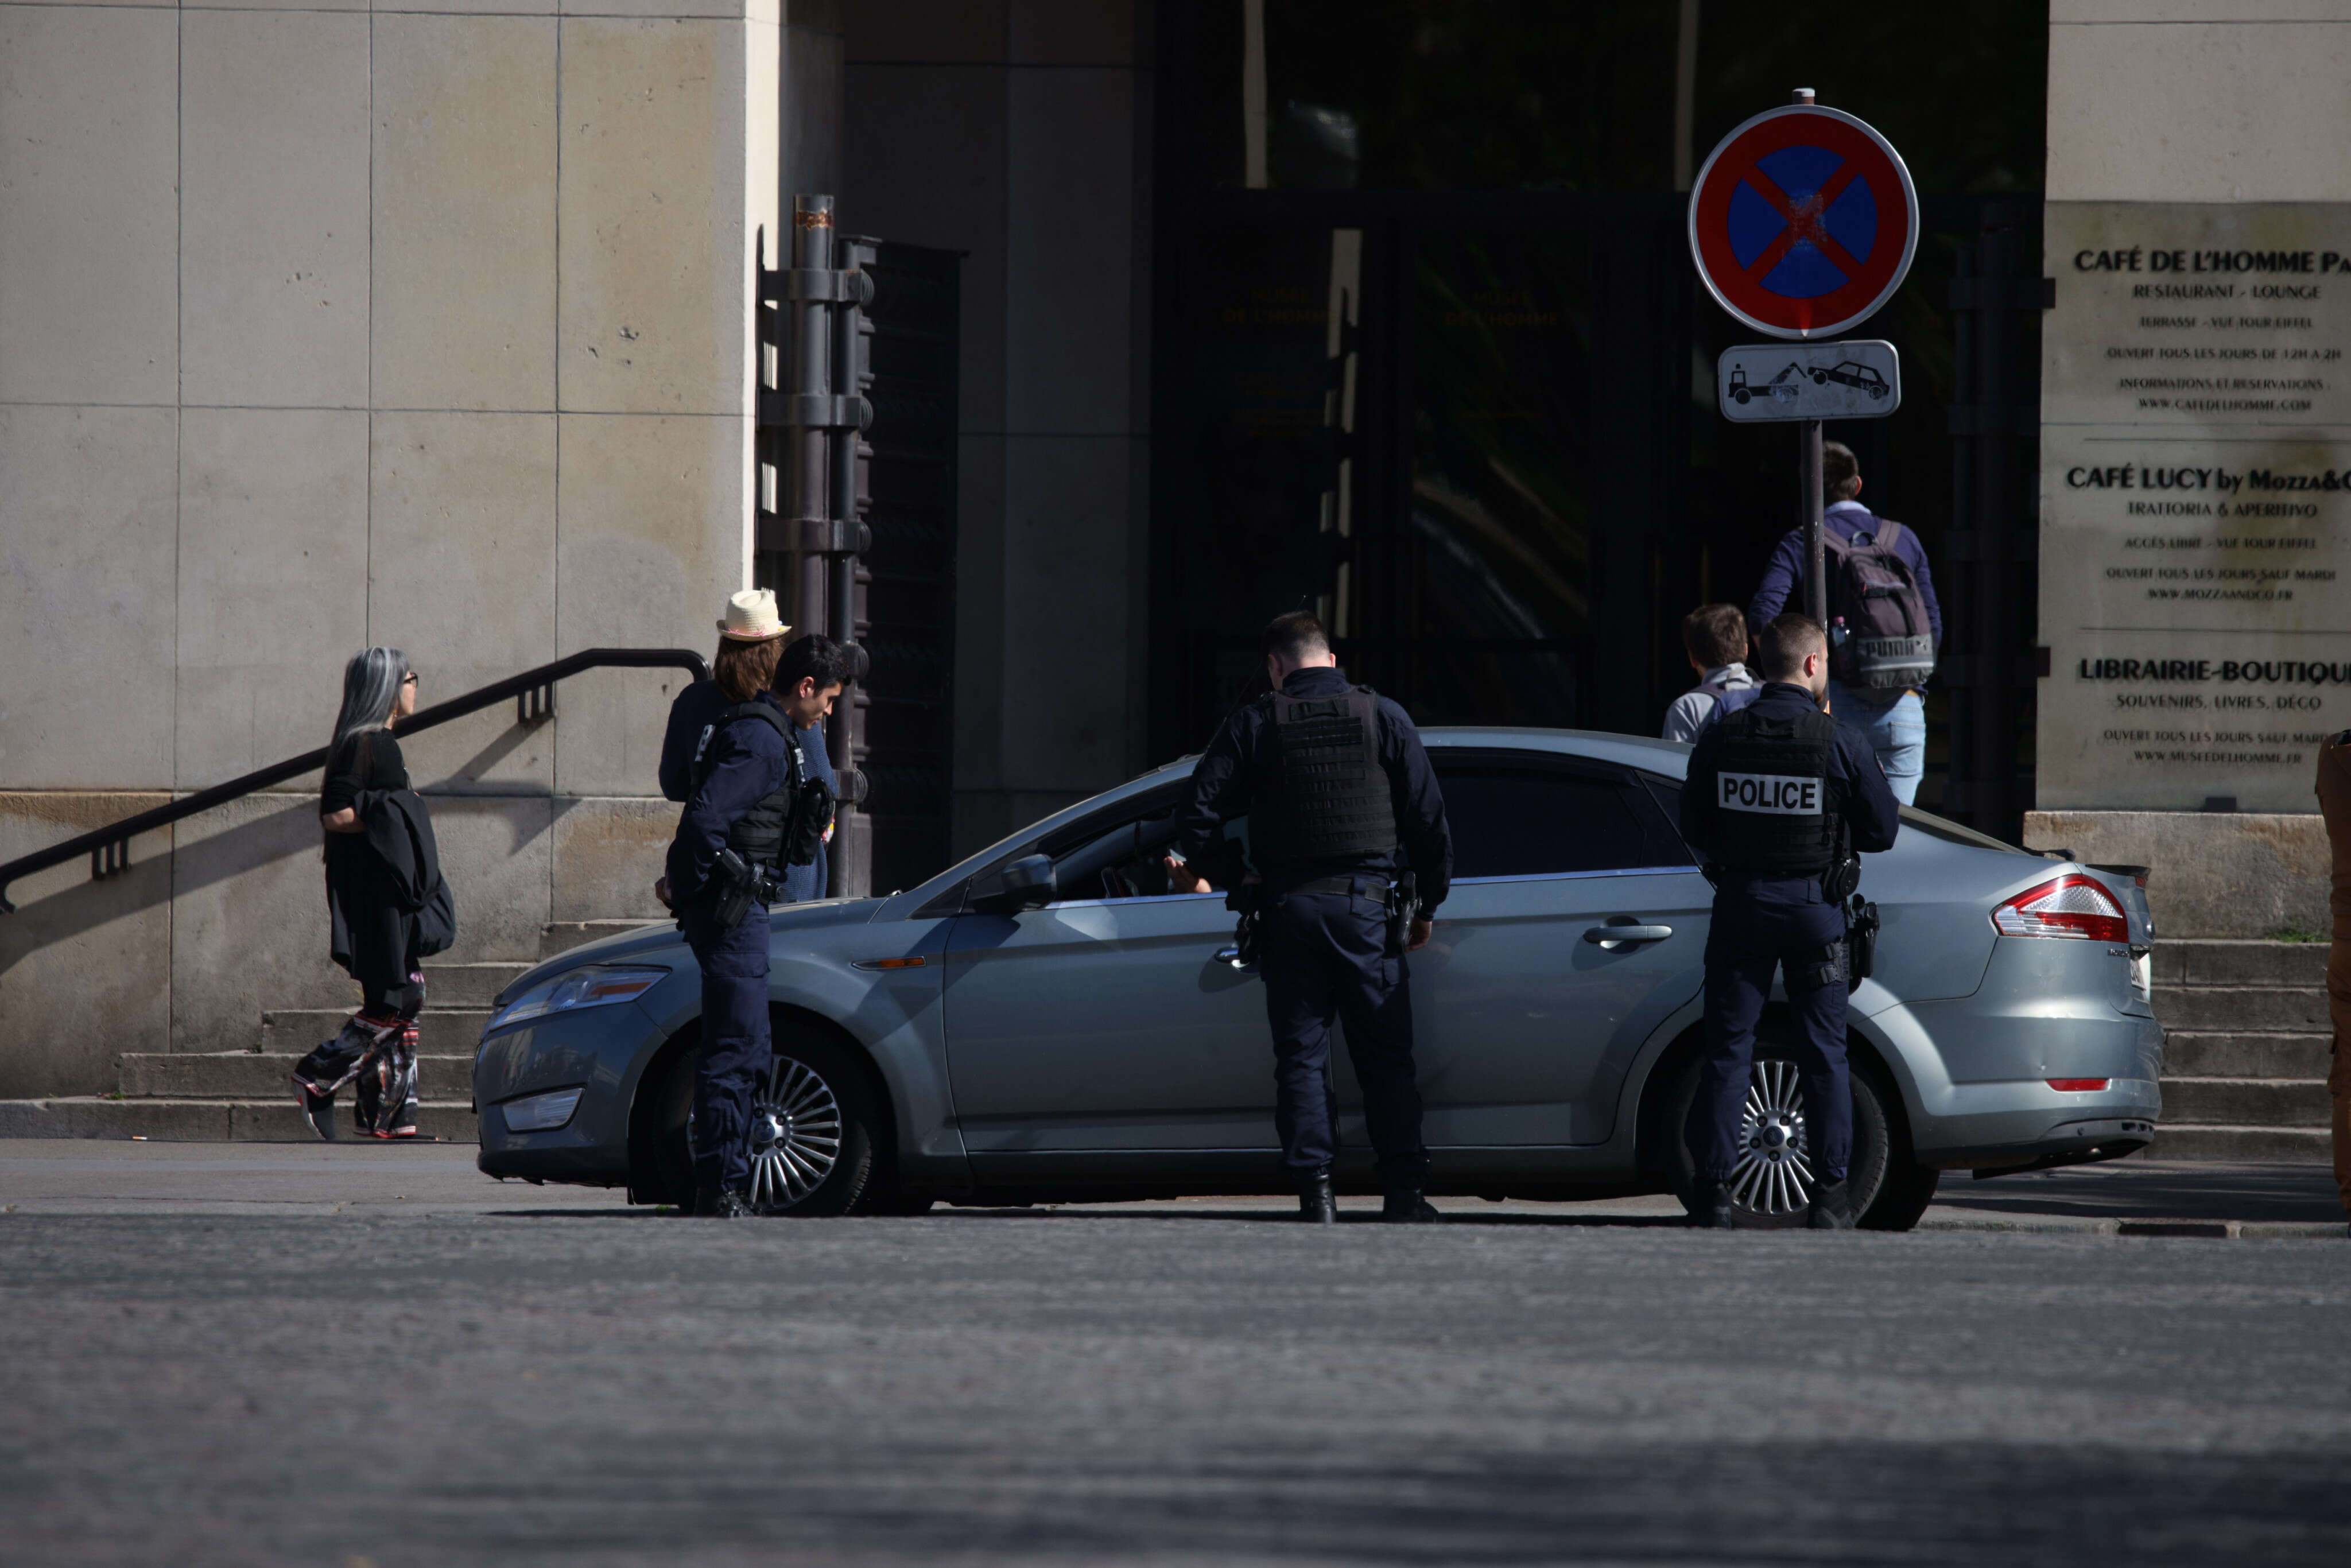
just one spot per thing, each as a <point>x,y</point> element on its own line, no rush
<point>418,1369</point>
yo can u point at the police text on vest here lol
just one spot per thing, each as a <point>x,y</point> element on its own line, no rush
<point>1775,793</point>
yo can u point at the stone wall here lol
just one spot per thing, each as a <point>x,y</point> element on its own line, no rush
<point>330,326</point>
<point>2169,101</point>
<point>2216,874</point>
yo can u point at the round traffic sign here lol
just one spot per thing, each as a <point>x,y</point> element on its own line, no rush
<point>1802,222</point>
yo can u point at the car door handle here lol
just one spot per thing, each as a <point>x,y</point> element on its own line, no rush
<point>1231,954</point>
<point>1612,936</point>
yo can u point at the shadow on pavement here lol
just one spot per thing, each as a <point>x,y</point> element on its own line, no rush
<point>2151,1190</point>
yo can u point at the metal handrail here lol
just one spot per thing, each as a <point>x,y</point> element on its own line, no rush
<point>109,848</point>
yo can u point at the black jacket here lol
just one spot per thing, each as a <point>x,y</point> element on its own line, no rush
<point>391,904</point>
<point>1225,783</point>
<point>1872,815</point>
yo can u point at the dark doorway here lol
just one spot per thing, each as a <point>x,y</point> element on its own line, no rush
<point>1452,426</point>
<point>911,567</point>
<point>1430,357</point>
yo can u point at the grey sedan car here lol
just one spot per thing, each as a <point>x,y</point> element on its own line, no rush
<point>1044,1021</point>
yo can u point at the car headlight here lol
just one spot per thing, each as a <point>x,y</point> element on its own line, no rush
<point>597,986</point>
<point>541,1113</point>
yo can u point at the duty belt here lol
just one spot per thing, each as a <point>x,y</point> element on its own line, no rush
<point>1362,884</point>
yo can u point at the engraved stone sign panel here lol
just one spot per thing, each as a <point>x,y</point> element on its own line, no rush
<point>2196,502</point>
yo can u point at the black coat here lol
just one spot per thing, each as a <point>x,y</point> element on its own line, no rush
<point>389,907</point>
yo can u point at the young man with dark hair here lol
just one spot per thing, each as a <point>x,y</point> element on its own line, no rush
<point>1714,637</point>
<point>1892,718</point>
<point>1341,804</point>
<point>1781,800</point>
<point>809,679</point>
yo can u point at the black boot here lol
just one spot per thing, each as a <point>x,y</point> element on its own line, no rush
<point>721,1203</point>
<point>1712,1209</point>
<point>1315,1204</point>
<point>1831,1208</point>
<point>1409,1209</point>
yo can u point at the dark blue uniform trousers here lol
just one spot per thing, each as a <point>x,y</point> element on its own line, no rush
<point>1325,957</point>
<point>737,1049</point>
<point>1760,926</point>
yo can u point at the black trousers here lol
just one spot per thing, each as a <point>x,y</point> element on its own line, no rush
<point>737,1045</point>
<point>1325,958</point>
<point>1761,926</point>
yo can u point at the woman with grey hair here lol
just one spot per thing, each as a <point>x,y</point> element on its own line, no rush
<point>373,937</point>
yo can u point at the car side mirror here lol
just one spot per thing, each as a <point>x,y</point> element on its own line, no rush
<point>1029,883</point>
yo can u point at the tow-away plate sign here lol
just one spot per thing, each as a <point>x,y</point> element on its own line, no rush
<point>1758,382</point>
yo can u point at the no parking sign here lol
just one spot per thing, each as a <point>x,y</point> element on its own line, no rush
<point>1803,222</point>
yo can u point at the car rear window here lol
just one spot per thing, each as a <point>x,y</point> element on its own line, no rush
<point>1536,818</point>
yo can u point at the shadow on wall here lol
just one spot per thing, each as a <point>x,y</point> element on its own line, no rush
<point>205,856</point>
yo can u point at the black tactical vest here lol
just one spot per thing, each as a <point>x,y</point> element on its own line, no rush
<point>1330,798</point>
<point>765,835</point>
<point>1778,808</point>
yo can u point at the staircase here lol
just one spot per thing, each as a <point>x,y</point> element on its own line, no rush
<point>2245,1051</point>
<point>248,1095</point>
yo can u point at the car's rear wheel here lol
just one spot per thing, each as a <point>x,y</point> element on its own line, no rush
<point>1771,1186</point>
<point>814,1124</point>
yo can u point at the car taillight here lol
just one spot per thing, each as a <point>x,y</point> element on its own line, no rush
<point>2078,1085</point>
<point>2073,905</point>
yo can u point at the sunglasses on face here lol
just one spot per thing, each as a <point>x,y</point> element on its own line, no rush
<point>409,679</point>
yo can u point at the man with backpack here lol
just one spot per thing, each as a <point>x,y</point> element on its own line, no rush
<point>1885,626</point>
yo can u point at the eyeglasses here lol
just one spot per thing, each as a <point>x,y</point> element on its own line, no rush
<point>409,679</point>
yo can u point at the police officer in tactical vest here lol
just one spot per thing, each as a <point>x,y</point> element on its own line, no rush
<point>1782,802</point>
<point>754,810</point>
<point>1350,852</point>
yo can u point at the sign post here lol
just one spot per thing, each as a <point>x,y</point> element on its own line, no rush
<point>1802,222</point>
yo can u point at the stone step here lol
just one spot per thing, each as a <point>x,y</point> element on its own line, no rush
<point>467,985</point>
<point>205,1121</point>
<point>2253,1008</point>
<point>2214,962</point>
<point>2247,1055</point>
<point>258,1075</point>
<point>565,935</point>
<point>2276,1103</point>
<point>440,1031</point>
<point>2248,1145</point>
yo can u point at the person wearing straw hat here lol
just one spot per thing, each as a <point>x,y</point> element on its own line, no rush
<point>724,868</point>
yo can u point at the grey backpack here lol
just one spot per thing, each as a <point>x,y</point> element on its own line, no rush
<point>1879,636</point>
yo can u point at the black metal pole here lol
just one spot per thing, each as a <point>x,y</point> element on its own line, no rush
<point>1808,470</point>
<point>812,368</point>
<point>851,864</point>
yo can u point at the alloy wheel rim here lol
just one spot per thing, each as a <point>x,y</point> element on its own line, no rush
<point>1774,1173</point>
<point>795,1135</point>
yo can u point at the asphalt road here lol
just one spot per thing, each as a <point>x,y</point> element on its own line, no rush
<point>527,1375</point>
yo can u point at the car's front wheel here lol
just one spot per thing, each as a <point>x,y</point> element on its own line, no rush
<point>814,1121</point>
<point>1771,1185</point>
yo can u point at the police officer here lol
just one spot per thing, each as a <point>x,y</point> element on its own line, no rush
<point>1341,799</point>
<point>1780,800</point>
<point>752,811</point>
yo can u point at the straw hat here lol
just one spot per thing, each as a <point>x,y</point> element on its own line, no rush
<point>751,617</point>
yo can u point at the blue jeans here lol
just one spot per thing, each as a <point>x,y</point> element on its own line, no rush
<point>1896,731</point>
